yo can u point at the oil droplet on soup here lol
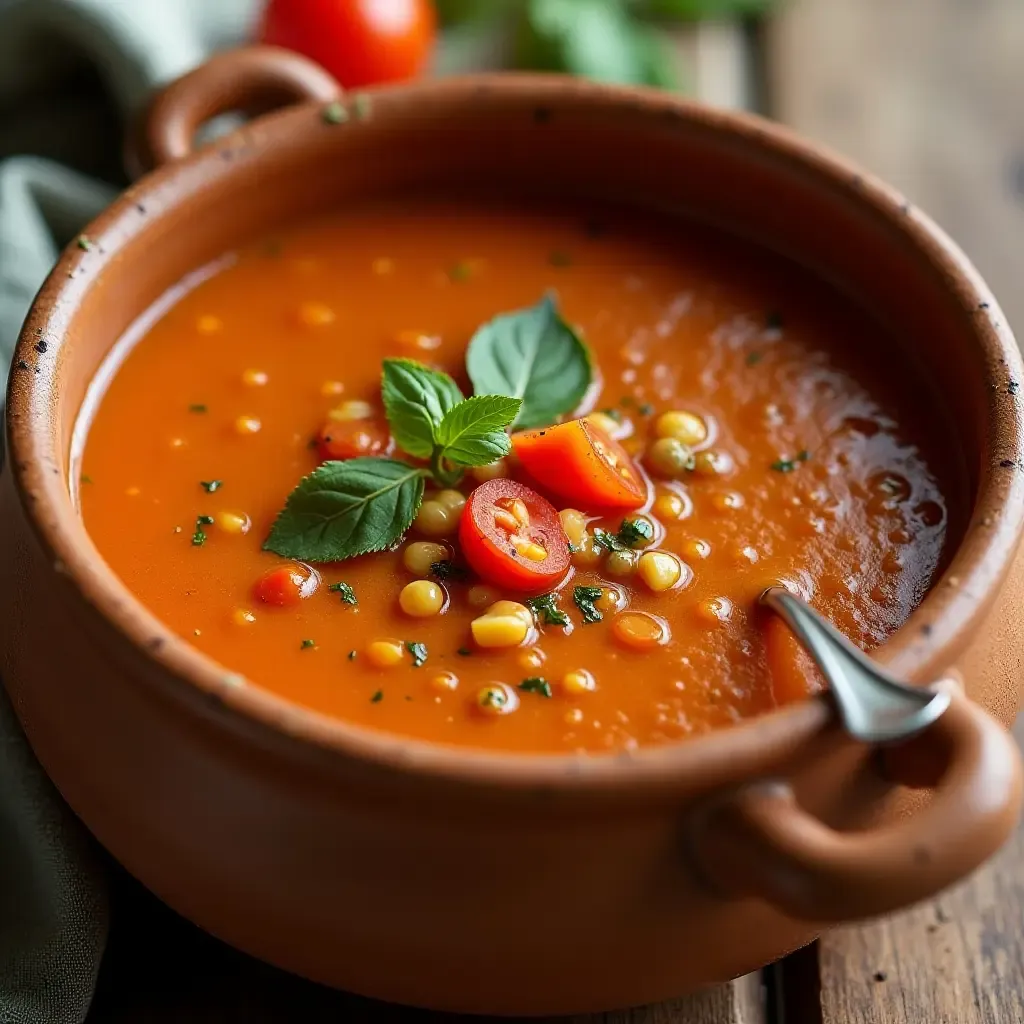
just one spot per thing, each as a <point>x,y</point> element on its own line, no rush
<point>767,417</point>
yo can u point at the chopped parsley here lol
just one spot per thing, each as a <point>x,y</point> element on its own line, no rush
<point>584,597</point>
<point>362,105</point>
<point>464,652</point>
<point>306,644</point>
<point>345,592</point>
<point>85,243</point>
<point>493,697</point>
<point>753,358</point>
<point>632,533</point>
<point>635,531</point>
<point>535,684</point>
<point>85,479</point>
<point>547,611</point>
<point>608,541</point>
<point>334,113</point>
<point>377,697</point>
<point>645,409</point>
<point>197,407</point>
<point>788,465</point>
<point>447,570</point>
<point>418,652</point>
<point>199,537</point>
<point>211,485</point>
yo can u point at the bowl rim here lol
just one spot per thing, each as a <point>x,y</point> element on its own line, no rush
<point>937,625</point>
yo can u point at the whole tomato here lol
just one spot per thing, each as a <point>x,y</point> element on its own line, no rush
<point>360,42</point>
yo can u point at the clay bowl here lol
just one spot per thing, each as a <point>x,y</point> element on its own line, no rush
<point>469,881</point>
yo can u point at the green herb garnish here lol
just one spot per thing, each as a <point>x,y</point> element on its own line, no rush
<point>362,106</point>
<point>85,243</point>
<point>211,485</point>
<point>560,259</point>
<point>344,509</point>
<point>645,409</point>
<point>197,407</point>
<point>199,537</point>
<point>632,533</point>
<point>533,355</point>
<point>613,414</point>
<point>377,697</point>
<point>448,571</point>
<point>306,644</point>
<point>608,541</point>
<point>584,597</point>
<point>788,465</point>
<point>547,611</point>
<point>460,272</point>
<point>85,479</point>
<point>334,113</point>
<point>418,652</point>
<point>535,684</point>
<point>345,592</point>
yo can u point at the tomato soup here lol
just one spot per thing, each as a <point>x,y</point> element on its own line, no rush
<point>664,422</point>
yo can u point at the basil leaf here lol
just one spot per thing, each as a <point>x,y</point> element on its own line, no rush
<point>534,355</point>
<point>472,433</point>
<point>597,39</point>
<point>416,399</point>
<point>694,10</point>
<point>343,509</point>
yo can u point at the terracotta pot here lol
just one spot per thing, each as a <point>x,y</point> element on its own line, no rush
<point>462,880</point>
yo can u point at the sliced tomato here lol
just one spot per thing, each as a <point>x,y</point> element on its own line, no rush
<point>352,439</point>
<point>579,461</point>
<point>512,537</point>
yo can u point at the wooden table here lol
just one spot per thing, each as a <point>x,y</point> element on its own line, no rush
<point>927,94</point>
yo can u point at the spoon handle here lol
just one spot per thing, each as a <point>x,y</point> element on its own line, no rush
<point>873,706</point>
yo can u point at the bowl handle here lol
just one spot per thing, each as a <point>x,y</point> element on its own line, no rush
<point>758,842</point>
<point>251,80</point>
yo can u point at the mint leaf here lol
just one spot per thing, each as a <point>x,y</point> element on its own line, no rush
<point>531,354</point>
<point>416,400</point>
<point>343,509</point>
<point>472,433</point>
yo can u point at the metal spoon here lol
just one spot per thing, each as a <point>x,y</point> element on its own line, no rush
<point>873,707</point>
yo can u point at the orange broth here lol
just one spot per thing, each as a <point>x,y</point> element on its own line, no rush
<point>832,479</point>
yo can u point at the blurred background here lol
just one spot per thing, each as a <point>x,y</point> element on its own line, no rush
<point>924,93</point>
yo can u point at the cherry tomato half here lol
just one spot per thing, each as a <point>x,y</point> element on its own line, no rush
<point>288,584</point>
<point>512,537</point>
<point>578,461</point>
<point>352,439</point>
<point>360,42</point>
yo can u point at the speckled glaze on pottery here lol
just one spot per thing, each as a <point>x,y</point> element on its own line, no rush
<point>462,880</point>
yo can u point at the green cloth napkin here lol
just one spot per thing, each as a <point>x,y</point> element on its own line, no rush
<point>71,74</point>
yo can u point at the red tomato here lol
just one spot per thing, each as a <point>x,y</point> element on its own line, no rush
<point>512,537</point>
<point>578,461</point>
<point>288,584</point>
<point>351,439</point>
<point>360,42</point>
